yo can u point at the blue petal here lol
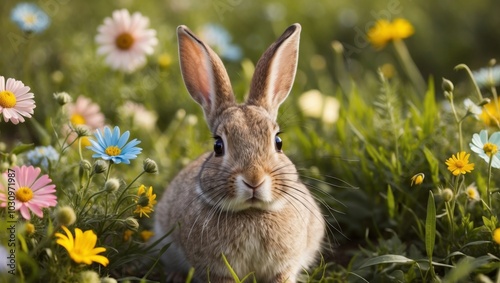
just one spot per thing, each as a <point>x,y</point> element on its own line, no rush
<point>115,136</point>
<point>123,139</point>
<point>495,138</point>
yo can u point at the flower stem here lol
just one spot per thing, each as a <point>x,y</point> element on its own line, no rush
<point>471,76</point>
<point>488,186</point>
<point>409,65</point>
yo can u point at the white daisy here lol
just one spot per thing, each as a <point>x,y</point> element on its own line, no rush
<point>125,40</point>
<point>16,102</point>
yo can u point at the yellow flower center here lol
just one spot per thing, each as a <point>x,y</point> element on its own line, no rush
<point>490,149</point>
<point>24,194</point>
<point>124,41</point>
<point>113,150</point>
<point>30,18</point>
<point>459,164</point>
<point>7,99</point>
<point>77,119</point>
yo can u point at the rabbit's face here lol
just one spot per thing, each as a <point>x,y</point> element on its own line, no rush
<point>248,168</point>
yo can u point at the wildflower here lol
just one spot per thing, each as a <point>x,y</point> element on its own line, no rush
<point>417,179</point>
<point>316,105</point>
<point>113,146</point>
<point>146,235</point>
<point>220,40</point>
<point>447,85</point>
<point>127,234</point>
<point>150,166</point>
<point>82,248</point>
<point>487,148</point>
<point>140,117</point>
<point>145,201</point>
<point>42,156</point>
<point>16,102</point>
<point>459,164</point>
<point>491,113</point>
<point>84,112</point>
<point>472,192</point>
<point>29,17</point>
<point>32,191</point>
<point>383,32</point>
<point>89,276</point>
<point>131,223</point>
<point>99,167</point>
<point>496,236</point>
<point>65,215</point>
<point>112,185</point>
<point>125,40</point>
<point>472,108</point>
<point>62,98</point>
<point>30,229</point>
<point>447,194</point>
<point>487,77</point>
<point>164,60</point>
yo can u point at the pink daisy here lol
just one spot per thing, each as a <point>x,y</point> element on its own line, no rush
<point>125,40</point>
<point>28,191</point>
<point>84,112</point>
<point>15,100</point>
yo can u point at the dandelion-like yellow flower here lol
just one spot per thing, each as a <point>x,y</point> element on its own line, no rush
<point>384,31</point>
<point>496,236</point>
<point>146,235</point>
<point>459,163</point>
<point>82,248</point>
<point>145,201</point>
<point>417,179</point>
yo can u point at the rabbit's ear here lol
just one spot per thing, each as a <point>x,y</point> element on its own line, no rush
<point>275,72</point>
<point>204,74</point>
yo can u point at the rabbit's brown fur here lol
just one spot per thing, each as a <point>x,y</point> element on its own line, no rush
<point>248,202</point>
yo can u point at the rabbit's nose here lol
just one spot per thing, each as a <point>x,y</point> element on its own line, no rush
<point>252,185</point>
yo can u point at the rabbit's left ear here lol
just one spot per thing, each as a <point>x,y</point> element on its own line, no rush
<point>275,72</point>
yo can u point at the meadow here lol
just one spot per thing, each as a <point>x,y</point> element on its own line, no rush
<point>393,122</point>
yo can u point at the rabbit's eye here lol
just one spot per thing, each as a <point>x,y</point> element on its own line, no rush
<point>218,146</point>
<point>278,142</point>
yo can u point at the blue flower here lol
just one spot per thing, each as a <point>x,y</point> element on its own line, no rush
<point>113,146</point>
<point>487,148</point>
<point>41,156</point>
<point>29,17</point>
<point>220,40</point>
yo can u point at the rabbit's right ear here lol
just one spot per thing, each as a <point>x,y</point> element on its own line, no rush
<point>204,74</point>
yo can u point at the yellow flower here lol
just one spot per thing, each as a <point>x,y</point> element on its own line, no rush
<point>146,235</point>
<point>491,114</point>
<point>496,236</point>
<point>472,192</point>
<point>417,179</point>
<point>459,164</point>
<point>145,201</point>
<point>383,32</point>
<point>127,234</point>
<point>82,248</point>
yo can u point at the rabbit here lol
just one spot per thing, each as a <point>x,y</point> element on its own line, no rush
<point>244,199</point>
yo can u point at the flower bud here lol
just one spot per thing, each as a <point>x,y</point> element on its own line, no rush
<point>12,158</point>
<point>62,98</point>
<point>108,280</point>
<point>30,229</point>
<point>3,146</point>
<point>89,276</point>
<point>82,130</point>
<point>131,223</point>
<point>150,166</point>
<point>447,85</point>
<point>85,165</point>
<point>492,62</point>
<point>100,166</point>
<point>65,215</point>
<point>112,185</point>
<point>417,179</point>
<point>447,194</point>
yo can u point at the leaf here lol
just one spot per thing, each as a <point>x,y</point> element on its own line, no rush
<point>231,270</point>
<point>465,267</point>
<point>391,206</point>
<point>433,165</point>
<point>431,112</point>
<point>398,259</point>
<point>23,147</point>
<point>430,226</point>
